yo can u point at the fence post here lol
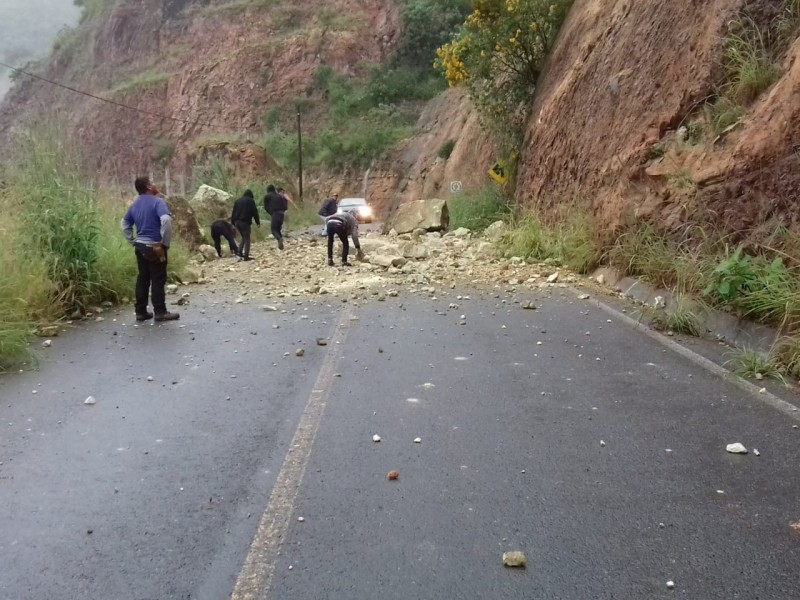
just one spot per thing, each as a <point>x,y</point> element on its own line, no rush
<point>168,181</point>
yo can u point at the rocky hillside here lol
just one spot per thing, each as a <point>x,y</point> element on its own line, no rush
<point>640,112</point>
<point>638,116</point>
<point>212,68</point>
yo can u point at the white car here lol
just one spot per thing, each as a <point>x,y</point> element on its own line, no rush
<point>358,207</point>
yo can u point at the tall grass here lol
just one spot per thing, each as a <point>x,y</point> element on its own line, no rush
<point>477,210</point>
<point>572,241</point>
<point>63,248</point>
<point>749,66</point>
<point>684,263</point>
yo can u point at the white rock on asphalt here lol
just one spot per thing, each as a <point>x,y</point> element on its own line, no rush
<point>671,585</point>
<point>47,343</point>
<point>514,559</point>
<point>736,448</point>
<point>90,400</point>
<point>553,278</point>
<point>376,438</point>
<point>417,440</point>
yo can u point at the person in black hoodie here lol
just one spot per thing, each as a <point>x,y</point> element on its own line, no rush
<point>276,205</point>
<point>222,229</point>
<point>244,213</point>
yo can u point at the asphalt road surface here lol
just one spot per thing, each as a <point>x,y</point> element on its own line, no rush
<point>244,471</point>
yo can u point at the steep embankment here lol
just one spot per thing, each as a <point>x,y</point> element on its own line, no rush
<point>626,118</point>
<point>213,69</point>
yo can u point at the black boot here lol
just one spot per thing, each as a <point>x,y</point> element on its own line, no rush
<point>167,316</point>
<point>144,316</point>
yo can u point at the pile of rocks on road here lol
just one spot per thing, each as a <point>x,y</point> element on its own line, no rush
<point>418,262</point>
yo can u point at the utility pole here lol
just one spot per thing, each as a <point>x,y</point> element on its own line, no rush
<point>300,155</point>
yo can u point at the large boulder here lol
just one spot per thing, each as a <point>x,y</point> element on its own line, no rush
<point>184,222</point>
<point>430,215</point>
<point>210,204</point>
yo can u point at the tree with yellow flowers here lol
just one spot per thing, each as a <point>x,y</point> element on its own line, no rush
<point>499,53</point>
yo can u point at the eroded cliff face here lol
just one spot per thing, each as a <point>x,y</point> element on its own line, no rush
<point>626,75</point>
<point>211,68</point>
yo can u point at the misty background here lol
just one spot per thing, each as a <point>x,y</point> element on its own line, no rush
<point>27,31</point>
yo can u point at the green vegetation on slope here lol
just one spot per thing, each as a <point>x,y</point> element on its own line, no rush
<point>359,119</point>
<point>499,54</point>
<point>63,249</point>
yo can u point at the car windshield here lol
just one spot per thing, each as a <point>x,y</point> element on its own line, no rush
<point>351,202</point>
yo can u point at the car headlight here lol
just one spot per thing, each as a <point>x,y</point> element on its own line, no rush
<point>365,211</point>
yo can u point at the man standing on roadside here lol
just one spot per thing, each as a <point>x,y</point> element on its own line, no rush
<point>343,224</point>
<point>276,206</point>
<point>329,208</point>
<point>150,215</point>
<point>244,213</point>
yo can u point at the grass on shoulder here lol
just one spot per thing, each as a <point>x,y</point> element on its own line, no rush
<point>755,364</point>
<point>477,210</point>
<point>571,242</point>
<point>678,317</point>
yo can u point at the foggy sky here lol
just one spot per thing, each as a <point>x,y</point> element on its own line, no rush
<point>28,28</point>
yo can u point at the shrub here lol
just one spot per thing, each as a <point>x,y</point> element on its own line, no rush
<point>749,362</point>
<point>749,67</point>
<point>476,211</point>
<point>657,150</point>
<point>499,54</point>
<point>427,24</point>
<point>733,275</point>
<point>678,317</point>
<point>723,113</point>
<point>446,149</point>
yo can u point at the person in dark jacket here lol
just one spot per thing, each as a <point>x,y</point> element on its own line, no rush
<point>329,207</point>
<point>244,213</point>
<point>222,229</point>
<point>342,224</point>
<point>276,206</point>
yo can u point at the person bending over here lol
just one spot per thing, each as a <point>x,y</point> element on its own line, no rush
<point>342,224</point>
<point>223,229</point>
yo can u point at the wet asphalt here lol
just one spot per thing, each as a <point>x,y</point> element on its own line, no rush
<point>557,431</point>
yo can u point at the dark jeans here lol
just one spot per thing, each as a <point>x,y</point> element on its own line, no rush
<point>244,230</point>
<point>335,228</point>
<point>217,235</point>
<point>152,274</point>
<point>276,224</point>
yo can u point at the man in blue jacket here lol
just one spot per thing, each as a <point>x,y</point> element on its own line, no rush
<point>150,215</point>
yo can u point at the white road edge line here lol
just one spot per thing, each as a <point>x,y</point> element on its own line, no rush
<point>790,410</point>
<point>258,569</point>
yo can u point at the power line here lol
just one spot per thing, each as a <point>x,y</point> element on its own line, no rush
<point>119,104</point>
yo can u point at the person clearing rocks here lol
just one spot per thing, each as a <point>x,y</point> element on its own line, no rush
<point>344,225</point>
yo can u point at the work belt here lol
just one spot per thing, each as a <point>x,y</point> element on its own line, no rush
<point>153,252</point>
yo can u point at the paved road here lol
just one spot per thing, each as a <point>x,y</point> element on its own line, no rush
<point>160,489</point>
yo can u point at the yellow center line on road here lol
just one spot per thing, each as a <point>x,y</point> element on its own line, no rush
<point>258,569</point>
